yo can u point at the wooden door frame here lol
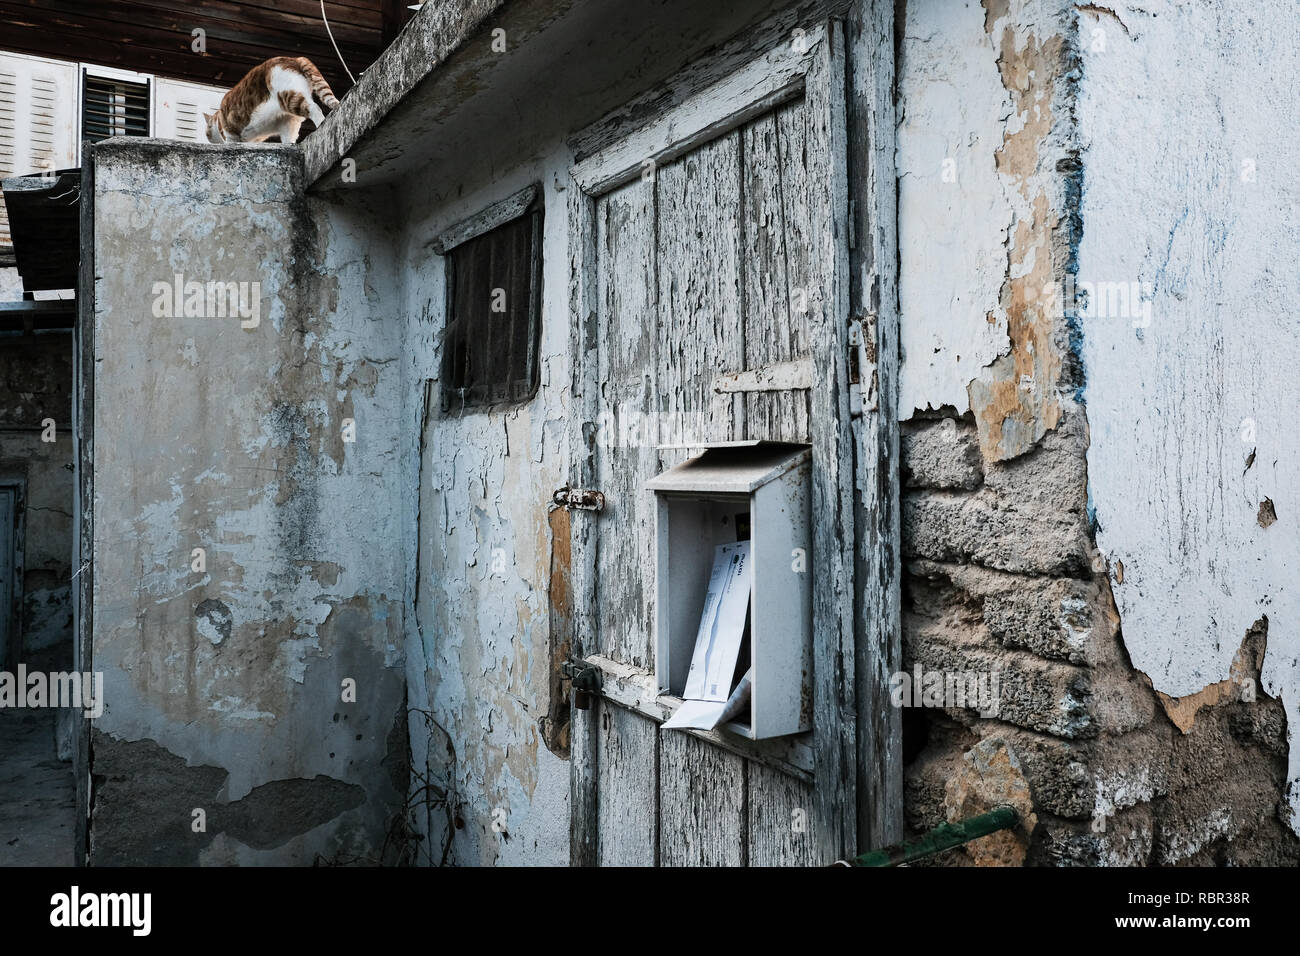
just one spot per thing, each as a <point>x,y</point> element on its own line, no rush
<point>13,609</point>
<point>818,68</point>
<point>874,312</point>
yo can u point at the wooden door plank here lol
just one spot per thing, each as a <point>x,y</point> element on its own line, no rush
<point>637,690</point>
<point>626,456</point>
<point>778,277</point>
<point>725,104</point>
<point>628,810</point>
<point>701,332</point>
<point>874,292</point>
<point>702,803</point>
<point>780,819</point>
<point>834,692</point>
<point>583,824</point>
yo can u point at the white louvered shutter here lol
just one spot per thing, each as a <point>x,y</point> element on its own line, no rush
<point>179,108</point>
<point>38,119</point>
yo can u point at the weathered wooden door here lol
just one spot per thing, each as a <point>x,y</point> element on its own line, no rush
<point>710,303</point>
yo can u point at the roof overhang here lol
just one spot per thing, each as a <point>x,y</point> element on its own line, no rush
<point>45,226</point>
<point>445,98</point>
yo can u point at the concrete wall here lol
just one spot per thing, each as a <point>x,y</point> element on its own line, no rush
<point>1027,168</point>
<point>1190,206</point>
<point>223,686</point>
<point>36,386</point>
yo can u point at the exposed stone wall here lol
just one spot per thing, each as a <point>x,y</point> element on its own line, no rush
<point>999,578</point>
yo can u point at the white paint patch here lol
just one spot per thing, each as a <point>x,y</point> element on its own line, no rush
<point>953,213</point>
<point>234,709</point>
<point>207,627</point>
<point>1188,188</point>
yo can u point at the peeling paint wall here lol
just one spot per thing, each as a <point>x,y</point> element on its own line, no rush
<point>224,683</point>
<point>480,662</point>
<point>1036,543</point>
<point>954,211</point>
<point>984,149</point>
<point>1194,460</point>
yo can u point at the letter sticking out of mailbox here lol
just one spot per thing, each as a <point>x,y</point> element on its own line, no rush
<point>758,492</point>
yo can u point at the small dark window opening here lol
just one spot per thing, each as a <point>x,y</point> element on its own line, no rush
<point>113,108</point>
<point>494,307</point>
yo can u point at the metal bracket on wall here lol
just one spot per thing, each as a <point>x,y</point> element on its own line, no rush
<point>864,379</point>
<point>578,499</point>
<point>585,679</point>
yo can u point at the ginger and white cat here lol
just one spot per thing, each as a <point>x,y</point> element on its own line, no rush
<point>272,100</point>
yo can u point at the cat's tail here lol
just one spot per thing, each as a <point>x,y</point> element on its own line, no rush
<point>318,84</point>
<point>291,101</point>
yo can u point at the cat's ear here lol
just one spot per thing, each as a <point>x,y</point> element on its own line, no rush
<point>207,119</point>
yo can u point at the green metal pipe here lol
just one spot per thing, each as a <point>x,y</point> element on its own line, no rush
<point>943,837</point>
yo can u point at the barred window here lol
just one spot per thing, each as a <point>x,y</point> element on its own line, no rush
<point>494,297</point>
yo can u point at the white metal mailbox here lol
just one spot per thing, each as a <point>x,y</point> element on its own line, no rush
<point>759,490</point>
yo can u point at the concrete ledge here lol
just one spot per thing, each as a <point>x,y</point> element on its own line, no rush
<point>158,169</point>
<point>433,35</point>
<point>142,146</point>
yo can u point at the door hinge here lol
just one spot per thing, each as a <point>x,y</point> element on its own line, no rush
<point>578,499</point>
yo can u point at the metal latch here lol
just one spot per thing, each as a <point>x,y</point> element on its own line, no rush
<point>579,499</point>
<point>585,679</point>
<point>864,378</point>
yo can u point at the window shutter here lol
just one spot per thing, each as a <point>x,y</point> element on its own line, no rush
<point>494,286</point>
<point>38,109</point>
<point>112,107</point>
<point>179,108</point>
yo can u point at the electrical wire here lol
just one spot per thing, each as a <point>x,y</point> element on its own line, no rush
<point>335,45</point>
